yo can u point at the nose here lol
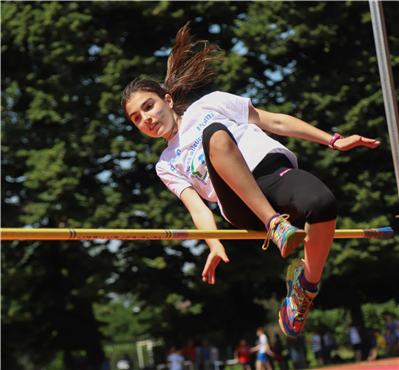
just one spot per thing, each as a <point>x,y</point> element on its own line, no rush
<point>147,119</point>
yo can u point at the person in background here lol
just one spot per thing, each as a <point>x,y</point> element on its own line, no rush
<point>297,349</point>
<point>395,320</point>
<point>176,360</point>
<point>242,355</point>
<point>205,353</point>
<point>263,349</point>
<point>328,344</point>
<point>391,342</point>
<point>316,345</point>
<point>380,348</point>
<point>356,342</point>
<point>278,351</point>
<point>190,353</point>
<point>214,355</point>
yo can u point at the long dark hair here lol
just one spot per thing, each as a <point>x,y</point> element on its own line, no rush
<point>187,70</point>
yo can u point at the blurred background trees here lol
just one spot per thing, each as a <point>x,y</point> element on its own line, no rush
<point>71,159</point>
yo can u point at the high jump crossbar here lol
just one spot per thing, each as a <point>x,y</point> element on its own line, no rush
<point>160,234</point>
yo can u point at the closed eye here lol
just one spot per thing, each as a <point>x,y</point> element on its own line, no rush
<point>149,106</point>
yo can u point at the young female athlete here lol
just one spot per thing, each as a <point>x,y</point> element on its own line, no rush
<point>217,150</point>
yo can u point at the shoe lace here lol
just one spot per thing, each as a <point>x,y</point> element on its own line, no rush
<point>305,302</point>
<point>275,230</point>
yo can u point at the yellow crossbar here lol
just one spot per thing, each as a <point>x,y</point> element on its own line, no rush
<point>143,234</point>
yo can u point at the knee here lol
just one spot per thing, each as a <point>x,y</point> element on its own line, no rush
<point>221,140</point>
<point>323,206</point>
<point>217,140</point>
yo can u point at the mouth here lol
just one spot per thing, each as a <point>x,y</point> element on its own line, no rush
<point>153,125</point>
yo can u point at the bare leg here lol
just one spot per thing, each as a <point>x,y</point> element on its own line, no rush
<point>228,161</point>
<point>317,246</point>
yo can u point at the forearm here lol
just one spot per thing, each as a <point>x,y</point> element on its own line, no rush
<point>205,220</point>
<point>286,125</point>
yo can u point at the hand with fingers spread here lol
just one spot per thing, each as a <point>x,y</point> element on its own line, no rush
<point>217,254</point>
<point>353,141</point>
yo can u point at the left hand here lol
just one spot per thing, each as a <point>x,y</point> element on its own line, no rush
<point>355,140</point>
<point>217,254</point>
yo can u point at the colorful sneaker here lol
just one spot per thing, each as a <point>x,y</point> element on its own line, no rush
<point>284,235</point>
<point>297,304</point>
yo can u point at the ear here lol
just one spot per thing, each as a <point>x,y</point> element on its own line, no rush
<point>169,101</point>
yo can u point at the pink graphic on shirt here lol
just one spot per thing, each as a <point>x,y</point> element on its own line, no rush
<point>284,172</point>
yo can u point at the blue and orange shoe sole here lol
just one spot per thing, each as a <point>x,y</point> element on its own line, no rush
<point>293,241</point>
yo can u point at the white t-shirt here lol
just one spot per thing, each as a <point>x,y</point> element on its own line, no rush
<point>176,361</point>
<point>262,343</point>
<point>182,163</point>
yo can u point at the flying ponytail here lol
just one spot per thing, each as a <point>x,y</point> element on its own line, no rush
<point>186,70</point>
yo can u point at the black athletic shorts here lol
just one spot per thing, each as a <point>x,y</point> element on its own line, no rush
<point>292,191</point>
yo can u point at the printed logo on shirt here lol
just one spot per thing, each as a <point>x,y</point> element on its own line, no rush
<point>198,167</point>
<point>205,121</point>
<point>174,159</point>
<point>196,164</point>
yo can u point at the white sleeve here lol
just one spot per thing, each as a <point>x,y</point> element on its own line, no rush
<point>174,181</point>
<point>231,106</point>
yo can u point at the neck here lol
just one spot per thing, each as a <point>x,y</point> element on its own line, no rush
<point>176,126</point>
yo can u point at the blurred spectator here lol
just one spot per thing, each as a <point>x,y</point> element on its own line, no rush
<point>205,355</point>
<point>328,345</point>
<point>190,353</point>
<point>391,342</point>
<point>380,346</point>
<point>176,360</point>
<point>356,342</point>
<point>214,352</point>
<point>278,352</point>
<point>396,323</point>
<point>389,323</point>
<point>126,363</point>
<point>296,347</point>
<point>242,355</point>
<point>171,350</point>
<point>263,349</point>
<point>367,341</point>
<point>316,345</point>
<point>106,365</point>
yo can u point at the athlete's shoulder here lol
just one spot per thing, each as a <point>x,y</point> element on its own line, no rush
<point>214,97</point>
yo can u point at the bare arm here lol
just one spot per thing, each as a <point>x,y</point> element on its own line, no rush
<point>203,219</point>
<point>285,125</point>
<point>268,350</point>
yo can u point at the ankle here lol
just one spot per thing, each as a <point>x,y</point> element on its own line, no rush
<point>270,223</point>
<point>307,285</point>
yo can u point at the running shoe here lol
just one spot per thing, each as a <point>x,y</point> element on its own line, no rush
<point>297,304</point>
<point>284,235</point>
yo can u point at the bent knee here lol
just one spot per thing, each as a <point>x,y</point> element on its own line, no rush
<point>220,140</point>
<point>323,207</point>
<point>217,138</point>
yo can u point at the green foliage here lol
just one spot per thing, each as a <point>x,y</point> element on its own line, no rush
<point>121,319</point>
<point>71,159</point>
<point>338,320</point>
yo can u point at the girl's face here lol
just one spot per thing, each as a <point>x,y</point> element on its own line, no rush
<point>151,114</point>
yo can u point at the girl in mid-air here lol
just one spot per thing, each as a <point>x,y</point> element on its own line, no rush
<point>218,151</point>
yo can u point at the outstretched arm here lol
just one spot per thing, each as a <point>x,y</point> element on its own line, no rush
<point>285,125</point>
<point>203,219</point>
